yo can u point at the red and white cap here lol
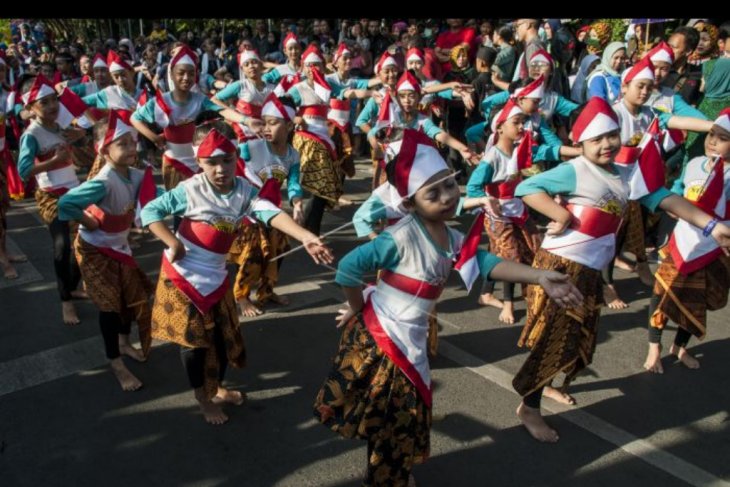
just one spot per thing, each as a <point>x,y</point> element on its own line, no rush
<point>290,38</point>
<point>342,49</point>
<point>119,124</point>
<point>99,62</point>
<point>415,54</point>
<point>723,120</point>
<point>417,161</point>
<point>385,60</point>
<point>644,69</point>
<point>661,53</point>
<point>41,88</point>
<point>542,56</point>
<point>597,118</point>
<point>115,62</point>
<point>215,144</point>
<point>184,55</point>
<point>273,107</point>
<point>320,85</point>
<point>535,90</point>
<point>509,110</point>
<point>312,55</point>
<point>247,55</point>
<point>408,82</point>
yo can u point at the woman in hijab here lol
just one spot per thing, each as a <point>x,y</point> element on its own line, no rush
<point>605,81</point>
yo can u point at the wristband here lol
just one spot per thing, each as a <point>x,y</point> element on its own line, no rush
<point>709,227</point>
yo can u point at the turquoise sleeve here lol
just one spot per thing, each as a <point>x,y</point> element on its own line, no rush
<point>475,133</point>
<point>496,99</point>
<point>565,107</point>
<point>98,100</point>
<point>487,261</point>
<point>293,187</point>
<point>229,92</point>
<point>272,77</point>
<point>367,114</point>
<point>380,253</point>
<point>369,213</point>
<point>430,128</point>
<point>652,200</point>
<point>26,155</point>
<point>684,109</point>
<point>559,180</point>
<point>481,176</point>
<point>244,151</point>
<point>71,205</point>
<point>208,105</point>
<point>173,202</point>
<point>145,113</point>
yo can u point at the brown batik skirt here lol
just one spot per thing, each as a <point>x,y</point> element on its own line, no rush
<point>117,288</point>
<point>686,299</point>
<point>560,340</point>
<point>320,174</point>
<point>253,251</point>
<point>176,319</point>
<point>367,396</point>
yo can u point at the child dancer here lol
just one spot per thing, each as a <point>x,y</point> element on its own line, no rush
<point>270,157</point>
<point>694,275</point>
<point>194,305</point>
<point>45,154</point>
<point>580,241</point>
<point>512,234</point>
<point>105,206</point>
<point>379,388</point>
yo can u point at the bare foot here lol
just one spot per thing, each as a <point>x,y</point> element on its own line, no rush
<point>488,299</point>
<point>536,425</point>
<point>612,299</point>
<point>344,201</point>
<point>79,294</point>
<point>126,379</point>
<point>623,265</point>
<point>507,315</point>
<point>9,271</point>
<point>558,395</point>
<point>212,412</point>
<point>653,361</point>
<point>645,274</point>
<point>228,396</point>
<point>69,313</point>
<point>684,356</point>
<point>281,300</point>
<point>127,349</point>
<point>248,308</point>
<point>17,259</point>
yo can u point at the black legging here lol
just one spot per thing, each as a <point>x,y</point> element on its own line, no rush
<point>112,325</point>
<point>534,398</point>
<point>681,339</point>
<point>508,289</point>
<point>313,213</point>
<point>64,260</point>
<point>193,360</point>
